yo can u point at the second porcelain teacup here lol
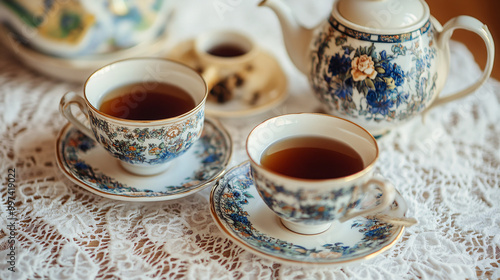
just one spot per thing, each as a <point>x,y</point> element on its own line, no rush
<point>226,59</point>
<point>305,204</point>
<point>143,147</point>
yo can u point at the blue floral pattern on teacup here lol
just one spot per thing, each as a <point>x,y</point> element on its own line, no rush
<point>234,194</point>
<point>149,145</point>
<point>305,205</point>
<point>212,153</point>
<point>375,78</point>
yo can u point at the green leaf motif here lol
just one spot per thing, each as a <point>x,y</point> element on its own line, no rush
<point>371,49</point>
<point>364,50</point>
<point>24,14</point>
<point>340,40</point>
<point>352,105</point>
<point>369,83</point>
<point>365,91</point>
<point>69,21</point>
<point>248,195</point>
<point>360,88</point>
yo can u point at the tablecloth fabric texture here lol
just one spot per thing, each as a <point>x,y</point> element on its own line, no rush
<point>447,169</point>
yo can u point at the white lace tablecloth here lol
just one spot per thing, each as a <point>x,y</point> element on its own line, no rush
<point>447,169</point>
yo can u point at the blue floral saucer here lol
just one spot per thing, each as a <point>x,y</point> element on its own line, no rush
<point>240,213</point>
<point>88,165</point>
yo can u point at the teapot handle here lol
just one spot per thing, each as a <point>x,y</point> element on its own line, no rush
<point>474,25</point>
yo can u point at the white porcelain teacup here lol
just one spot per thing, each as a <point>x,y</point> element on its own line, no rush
<point>143,147</point>
<point>309,206</point>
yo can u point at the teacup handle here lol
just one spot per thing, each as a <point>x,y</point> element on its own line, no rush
<point>69,99</point>
<point>473,25</point>
<point>388,195</point>
<point>211,76</point>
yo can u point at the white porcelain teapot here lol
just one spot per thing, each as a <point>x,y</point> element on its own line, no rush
<point>378,62</point>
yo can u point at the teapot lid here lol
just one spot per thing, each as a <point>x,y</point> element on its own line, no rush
<point>382,16</point>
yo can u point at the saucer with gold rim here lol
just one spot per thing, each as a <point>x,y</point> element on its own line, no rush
<point>242,215</point>
<point>91,167</point>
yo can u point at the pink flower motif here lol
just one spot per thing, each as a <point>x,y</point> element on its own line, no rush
<point>363,67</point>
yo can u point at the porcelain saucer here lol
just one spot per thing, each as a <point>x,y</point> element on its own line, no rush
<point>88,165</point>
<point>76,70</point>
<point>240,213</point>
<point>268,79</point>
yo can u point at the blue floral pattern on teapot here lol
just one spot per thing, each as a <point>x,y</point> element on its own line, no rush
<point>373,82</point>
<point>378,63</point>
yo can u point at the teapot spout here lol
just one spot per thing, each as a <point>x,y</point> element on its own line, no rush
<point>297,38</point>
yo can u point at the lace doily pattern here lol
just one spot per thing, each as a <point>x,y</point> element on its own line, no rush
<point>447,168</point>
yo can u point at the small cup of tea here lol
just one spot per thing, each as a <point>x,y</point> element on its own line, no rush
<point>314,169</point>
<point>145,111</point>
<point>224,53</point>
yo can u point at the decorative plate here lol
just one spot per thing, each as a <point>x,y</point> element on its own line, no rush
<point>88,165</point>
<point>267,81</point>
<point>76,28</point>
<point>239,212</point>
<point>76,70</point>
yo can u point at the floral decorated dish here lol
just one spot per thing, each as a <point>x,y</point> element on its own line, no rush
<point>240,213</point>
<point>75,28</point>
<point>75,69</point>
<point>88,165</point>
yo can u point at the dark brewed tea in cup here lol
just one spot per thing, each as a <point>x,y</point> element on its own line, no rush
<point>151,101</point>
<point>227,50</point>
<point>312,157</point>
